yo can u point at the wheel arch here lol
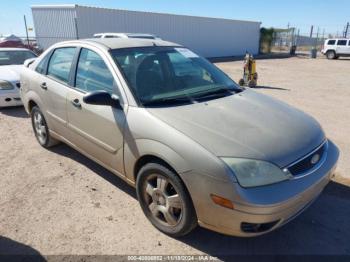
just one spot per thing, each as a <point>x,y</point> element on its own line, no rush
<point>31,100</point>
<point>140,151</point>
<point>31,104</point>
<point>149,158</point>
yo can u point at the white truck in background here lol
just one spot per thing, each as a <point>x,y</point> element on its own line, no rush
<point>336,47</point>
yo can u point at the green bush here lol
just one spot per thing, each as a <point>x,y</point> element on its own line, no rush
<point>266,37</point>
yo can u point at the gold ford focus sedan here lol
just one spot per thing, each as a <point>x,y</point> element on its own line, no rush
<point>198,148</point>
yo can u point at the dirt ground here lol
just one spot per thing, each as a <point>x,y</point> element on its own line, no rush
<point>59,202</point>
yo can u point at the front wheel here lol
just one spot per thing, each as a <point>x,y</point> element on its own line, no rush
<point>165,200</point>
<point>41,129</point>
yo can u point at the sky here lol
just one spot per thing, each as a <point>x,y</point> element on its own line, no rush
<point>328,16</point>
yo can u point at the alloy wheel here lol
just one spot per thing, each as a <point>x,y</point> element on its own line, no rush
<point>40,128</point>
<point>163,200</point>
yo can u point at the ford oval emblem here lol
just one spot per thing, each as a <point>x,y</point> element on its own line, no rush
<point>315,158</point>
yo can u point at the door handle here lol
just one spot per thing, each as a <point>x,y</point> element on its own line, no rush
<point>43,86</point>
<point>76,103</point>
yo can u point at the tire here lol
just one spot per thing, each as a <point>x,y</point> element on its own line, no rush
<point>331,55</point>
<point>252,83</point>
<point>40,128</point>
<point>155,185</point>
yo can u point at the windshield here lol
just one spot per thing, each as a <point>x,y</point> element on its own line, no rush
<point>15,57</point>
<point>168,74</point>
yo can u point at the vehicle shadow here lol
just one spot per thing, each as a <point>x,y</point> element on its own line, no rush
<point>11,250</point>
<point>64,150</point>
<point>14,111</point>
<point>322,229</point>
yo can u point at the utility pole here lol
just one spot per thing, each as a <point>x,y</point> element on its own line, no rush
<point>76,28</point>
<point>346,30</point>
<point>324,32</point>
<point>25,24</point>
<point>316,40</point>
<point>311,31</point>
<point>297,40</point>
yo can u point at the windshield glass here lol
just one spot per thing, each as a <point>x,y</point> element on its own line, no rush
<point>168,74</point>
<point>15,57</point>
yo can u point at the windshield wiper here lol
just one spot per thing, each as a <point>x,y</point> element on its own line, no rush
<point>221,92</point>
<point>168,101</point>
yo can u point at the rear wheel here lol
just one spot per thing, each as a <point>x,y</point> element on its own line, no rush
<point>331,55</point>
<point>41,129</point>
<point>165,200</point>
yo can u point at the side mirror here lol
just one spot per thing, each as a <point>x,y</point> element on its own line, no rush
<point>102,98</point>
<point>29,61</point>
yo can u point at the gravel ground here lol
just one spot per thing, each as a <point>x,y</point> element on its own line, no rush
<point>57,202</point>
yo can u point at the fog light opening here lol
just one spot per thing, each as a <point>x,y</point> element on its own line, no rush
<point>257,227</point>
<point>221,201</point>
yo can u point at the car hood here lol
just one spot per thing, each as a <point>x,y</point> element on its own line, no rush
<point>10,72</point>
<point>246,125</point>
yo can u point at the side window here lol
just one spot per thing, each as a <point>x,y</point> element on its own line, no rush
<point>331,42</point>
<point>342,42</point>
<point>60,63</point>
<point>41,67</point>
<point>92,73</point>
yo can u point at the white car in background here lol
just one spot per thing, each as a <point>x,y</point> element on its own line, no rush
<point>334,48</point>
<point>11,64</point>
<point>126,35</point>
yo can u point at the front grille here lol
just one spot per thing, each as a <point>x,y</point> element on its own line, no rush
<point>309,162</point>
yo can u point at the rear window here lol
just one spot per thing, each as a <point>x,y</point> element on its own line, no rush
<point>342,42</point>
<point>331,42</point>
<point>60,63</point>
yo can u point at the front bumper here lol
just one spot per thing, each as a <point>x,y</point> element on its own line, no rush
<point>10,98</point>
<point>262,209</point>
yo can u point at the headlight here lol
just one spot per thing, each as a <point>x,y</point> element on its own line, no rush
<point>253,173</point>
<point>5,85</point>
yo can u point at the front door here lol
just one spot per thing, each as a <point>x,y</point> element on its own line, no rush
<point>95,129</point>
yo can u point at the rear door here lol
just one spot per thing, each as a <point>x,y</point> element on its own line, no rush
<point>342,47</point>
<point>56,86</point>
<point>95,129</point>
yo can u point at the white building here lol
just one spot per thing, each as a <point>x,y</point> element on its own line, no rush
<point>210,37</point>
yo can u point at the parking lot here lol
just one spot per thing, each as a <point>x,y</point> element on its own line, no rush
<point>60,202</point>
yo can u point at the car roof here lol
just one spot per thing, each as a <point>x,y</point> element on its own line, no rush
<point>14,49</point>
<point>117,43</point>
